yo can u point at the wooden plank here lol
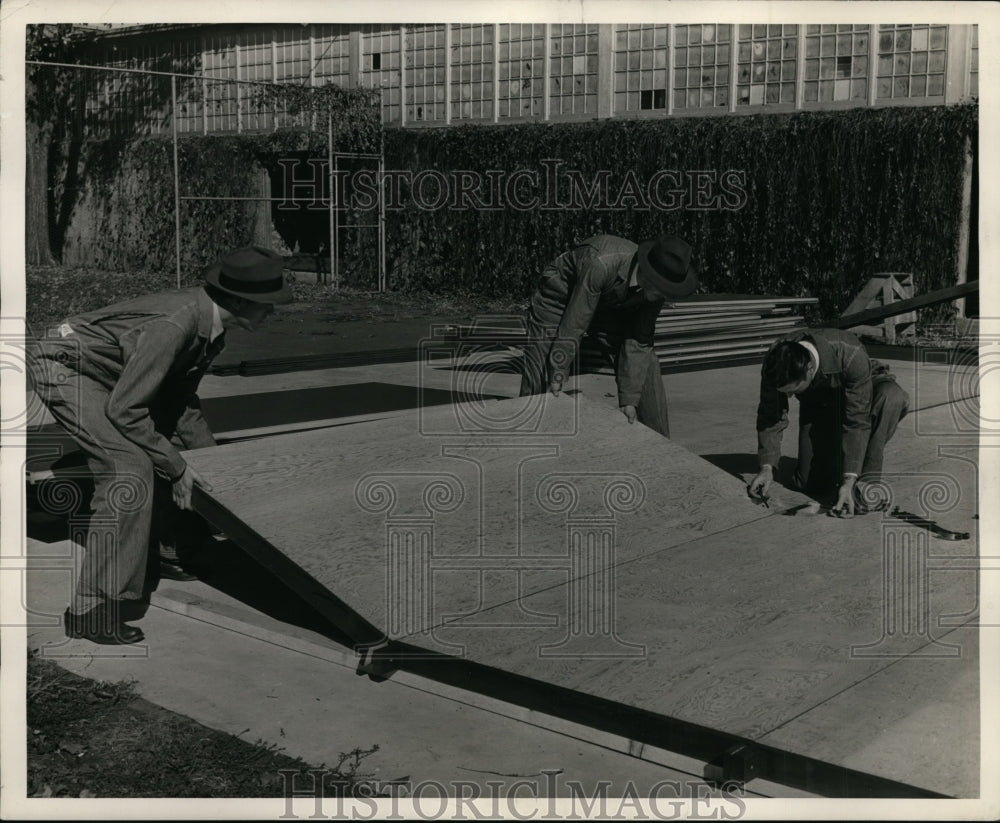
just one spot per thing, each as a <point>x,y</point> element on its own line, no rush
<point>871,290</point>
<point>904,306</point>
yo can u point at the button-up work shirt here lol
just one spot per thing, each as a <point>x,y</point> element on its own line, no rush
<point>149,353</point>
<point>588,288</point>
<point>844,377</point>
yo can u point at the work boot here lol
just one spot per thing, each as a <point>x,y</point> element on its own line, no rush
<point>101,625</point>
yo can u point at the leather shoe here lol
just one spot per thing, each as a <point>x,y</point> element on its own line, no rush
<point>172,570</point>
<point>100,625</point>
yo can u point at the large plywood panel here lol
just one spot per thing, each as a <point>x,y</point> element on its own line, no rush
<point>750,629</point>
<point>443,513</point>
<point>918,720</point>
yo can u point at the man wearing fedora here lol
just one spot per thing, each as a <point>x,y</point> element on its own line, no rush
<point>614,289</point>
<point>121,381</point>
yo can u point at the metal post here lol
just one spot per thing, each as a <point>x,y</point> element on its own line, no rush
<point>671,70</point>
<point>496,72</point>
<point>402,77</point>
<point>546,72</point>
<point>177,191</point>
<point>447,73</point>
<point>800,65</point>
<point>239,102</point>
<point>333,209</point>
<point>382,285</point>
<point>873,64</point>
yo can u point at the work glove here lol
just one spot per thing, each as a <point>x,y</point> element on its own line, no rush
<point>629,412</point>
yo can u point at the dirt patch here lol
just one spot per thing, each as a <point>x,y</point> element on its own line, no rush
<point>88,738</point>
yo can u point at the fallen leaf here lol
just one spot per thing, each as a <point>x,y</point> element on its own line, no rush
<point>72,748</point>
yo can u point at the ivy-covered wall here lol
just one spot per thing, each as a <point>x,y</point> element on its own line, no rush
<point>804,204</point>
<point>828,199</point>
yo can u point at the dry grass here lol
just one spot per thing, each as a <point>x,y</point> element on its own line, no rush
<point>94,739</point>
<point>54,293</point>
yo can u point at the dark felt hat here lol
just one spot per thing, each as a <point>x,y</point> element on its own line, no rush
<point>665,265</point>
<point>254,273</point>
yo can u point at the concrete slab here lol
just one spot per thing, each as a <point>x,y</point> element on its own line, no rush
<point>313,707</point>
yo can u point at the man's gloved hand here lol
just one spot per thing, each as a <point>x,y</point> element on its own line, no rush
<point>629,412</point>
<point>184,484</point>
<point>762,482</point>
<point>555,386</point>
<point>844,507</point>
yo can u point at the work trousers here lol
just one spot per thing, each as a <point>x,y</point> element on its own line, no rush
<point>651,410</point>
<point>127,493</point>
<point>820,463</point>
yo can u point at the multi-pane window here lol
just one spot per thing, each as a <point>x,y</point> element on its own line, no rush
<point>257,56</point>
<point>702,60</point>
<point>911,61</point>
<point>472,71</point>
<point>332,50</point>
<point>186,58</point>
<point>640,67</point>
<point>220,98</point>
<point>974,61</point>
<point>837,62</point>
<point>573,69</point>
<point>475,72</point>
<point>425,73</point>
<point>125,104</point>
<point>380,66</point>
<point>765,73</point>
<point>522,69</point>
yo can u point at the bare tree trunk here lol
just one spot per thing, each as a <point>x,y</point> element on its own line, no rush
<point>38,246</point>
<point>261,210</point>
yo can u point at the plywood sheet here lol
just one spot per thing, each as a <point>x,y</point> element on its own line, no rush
<point>741,631</point>
<point>918,720</point>
<point>440,514</point>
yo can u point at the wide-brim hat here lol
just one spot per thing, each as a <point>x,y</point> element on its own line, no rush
<point>665,265</point>
<point>253,273</point>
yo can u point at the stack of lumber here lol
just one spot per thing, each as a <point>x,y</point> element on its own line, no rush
<point>711,328</point>
<point>702,329</point>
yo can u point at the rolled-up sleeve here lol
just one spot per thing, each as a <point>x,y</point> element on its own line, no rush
<point>157,347</point>
<point>857,379</point>
<point>772,420</point>
<point>636,351</point>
